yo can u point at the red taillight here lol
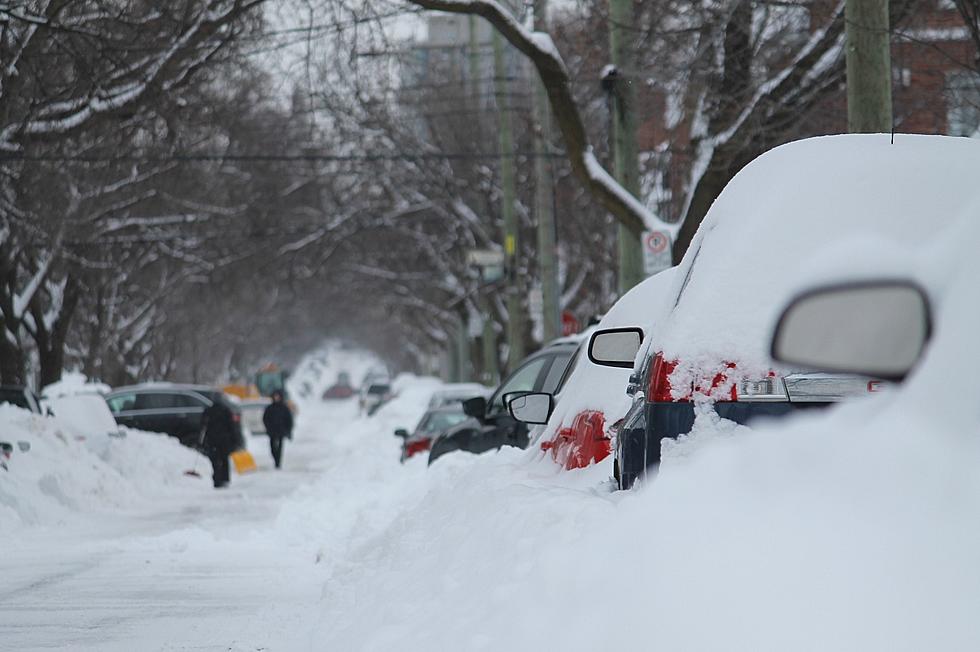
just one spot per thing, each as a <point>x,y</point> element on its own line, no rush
<point>659,387</point>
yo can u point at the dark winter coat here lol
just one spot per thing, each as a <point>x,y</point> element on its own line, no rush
<point>278,419</point>
<point>220,433</point>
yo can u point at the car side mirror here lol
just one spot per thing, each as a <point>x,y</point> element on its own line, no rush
<point>872,328</point>
<point>23,446</point>
<point>615,347</point>
<point>532,407</point>
<point>475,407</point>
<point>401,432</point>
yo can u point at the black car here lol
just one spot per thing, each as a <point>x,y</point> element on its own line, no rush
<point>173,409</point>
<point>490,425</point>
<point>22,397</point>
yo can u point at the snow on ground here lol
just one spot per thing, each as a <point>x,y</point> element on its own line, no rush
<point>855,530</point>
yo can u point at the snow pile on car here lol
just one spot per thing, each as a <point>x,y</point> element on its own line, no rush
<point>787,206</point>
<point>64,475</point>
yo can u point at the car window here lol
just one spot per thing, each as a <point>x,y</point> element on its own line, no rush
<point>14,397</point>
<point>437,421</point>
<point>522,380</point>
<point>378,389</point>
<point>557,371</point>
<point>188,401</point>
<point>121,402</point>
<point>156,401</point>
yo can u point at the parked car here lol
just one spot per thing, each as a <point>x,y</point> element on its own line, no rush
<point>435,421</point>
<point>81,407</point>
<point>252,410</point>
<point>20,396</point>
<point>854,199</point>
<point>490,425</point>
<point>169,408</point>
<point>375,395</point>
<point>456,393</point>
<point>592,402</point>
<point>341,389</point>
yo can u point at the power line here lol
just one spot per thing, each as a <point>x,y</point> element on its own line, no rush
<point>268,158</point>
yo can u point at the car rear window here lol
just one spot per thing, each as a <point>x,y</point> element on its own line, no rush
<point>156,401</point>
<point>378,389</point>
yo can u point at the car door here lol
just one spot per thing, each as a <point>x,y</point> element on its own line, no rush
<point>158,411</point>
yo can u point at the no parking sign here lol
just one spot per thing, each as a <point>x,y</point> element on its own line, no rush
<point>656,251</point>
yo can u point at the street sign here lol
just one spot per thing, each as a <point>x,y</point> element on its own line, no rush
<point>657,252</point>
<point>569,325</point>
<point>485,257</point>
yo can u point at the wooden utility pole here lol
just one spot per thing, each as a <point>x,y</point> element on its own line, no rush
<point>626,166</point>
<point>515,307</point>
<point>869,71</point>
<point>544,206</point>
<point>491,370</point>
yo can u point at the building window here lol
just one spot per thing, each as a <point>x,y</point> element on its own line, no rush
<point>963,104</point>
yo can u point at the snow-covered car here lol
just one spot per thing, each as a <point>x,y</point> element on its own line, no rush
<point>490,424</point>
<point>453,393</point>
<point>374,395</point>
<point>86,415</point>
<point>592,399</point>
<point>435,421</point>
<point>80,405</point>
<point>854,199</point>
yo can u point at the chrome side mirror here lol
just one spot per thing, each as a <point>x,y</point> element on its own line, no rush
<point>533,407</point>
<point>873,328</point>
<point>615,347</point>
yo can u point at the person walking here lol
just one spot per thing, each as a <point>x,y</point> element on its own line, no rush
<point>278,420</point>
<point>219,440</point>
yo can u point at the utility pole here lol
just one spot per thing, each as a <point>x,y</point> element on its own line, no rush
<point>488,337</point>
<point>544,205</point>
<point>869,70</point>
<point>515,308</point>
<point>626,166</point>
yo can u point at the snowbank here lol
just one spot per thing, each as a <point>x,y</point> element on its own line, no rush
<point>853,529</point>
<point>65,476</point>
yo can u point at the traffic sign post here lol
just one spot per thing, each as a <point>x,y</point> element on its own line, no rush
<point>656,252</point>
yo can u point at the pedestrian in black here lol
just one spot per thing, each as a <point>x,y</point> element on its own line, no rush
<point>219,440</point>
<point>278,420</point>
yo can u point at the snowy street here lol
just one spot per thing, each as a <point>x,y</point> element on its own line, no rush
<point>202,566</point>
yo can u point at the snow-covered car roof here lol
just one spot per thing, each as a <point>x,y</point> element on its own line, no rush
<point>163,386</point>
<point>787,208</point>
